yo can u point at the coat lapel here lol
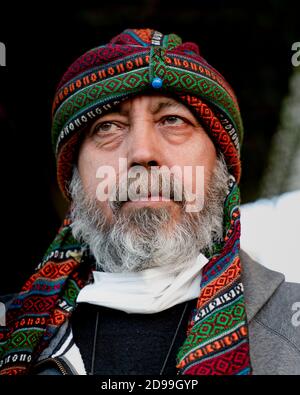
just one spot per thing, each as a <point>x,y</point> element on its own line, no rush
<point>259,284</point>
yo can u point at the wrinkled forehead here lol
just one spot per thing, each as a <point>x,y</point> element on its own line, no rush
<point>152,103</point>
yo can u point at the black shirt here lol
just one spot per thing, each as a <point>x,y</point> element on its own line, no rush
<point>130,344</point>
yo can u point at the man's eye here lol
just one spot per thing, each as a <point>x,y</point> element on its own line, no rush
<point>173,120</point>
<point>105,127</point>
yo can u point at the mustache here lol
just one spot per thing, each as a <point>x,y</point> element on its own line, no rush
<point>157,184</point>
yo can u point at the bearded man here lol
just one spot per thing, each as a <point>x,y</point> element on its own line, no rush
<point>146,275</point>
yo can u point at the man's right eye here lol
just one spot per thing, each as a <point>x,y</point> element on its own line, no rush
<point>105,127</point>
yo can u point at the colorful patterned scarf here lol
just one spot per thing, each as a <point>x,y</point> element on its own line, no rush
<point>217,338</point>
<point>217,335</point>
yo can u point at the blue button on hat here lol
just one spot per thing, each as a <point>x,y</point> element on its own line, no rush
<point>157,83</point>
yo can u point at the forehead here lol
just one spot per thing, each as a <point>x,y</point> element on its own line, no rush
<point>151,102</point>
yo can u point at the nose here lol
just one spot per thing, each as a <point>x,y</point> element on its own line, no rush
<point>143,145</point>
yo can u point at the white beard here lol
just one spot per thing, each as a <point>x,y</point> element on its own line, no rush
<point>138,239</point>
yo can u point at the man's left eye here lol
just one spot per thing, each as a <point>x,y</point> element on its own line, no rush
<point>173,120</point>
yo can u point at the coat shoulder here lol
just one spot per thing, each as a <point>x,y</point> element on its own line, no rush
<point>281,314</point>
<point>274,333</point>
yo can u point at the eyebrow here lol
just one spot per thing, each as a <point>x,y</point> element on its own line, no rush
<point>155,109</point>
<point>165,104</point>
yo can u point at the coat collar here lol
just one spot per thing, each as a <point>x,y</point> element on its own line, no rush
<point>259,284</point>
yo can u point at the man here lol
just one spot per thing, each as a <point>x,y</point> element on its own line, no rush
<point>146,276</point>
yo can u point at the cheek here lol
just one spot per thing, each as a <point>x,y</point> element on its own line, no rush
<point>87,167</point>
<point>97,172</point>
<point>88,164</point>
<point>201,152</point>
<point>209,160</point>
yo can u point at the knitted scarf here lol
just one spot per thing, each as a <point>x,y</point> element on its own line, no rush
<point>217,333</point>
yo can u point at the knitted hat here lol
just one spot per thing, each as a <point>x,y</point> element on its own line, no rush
<point>138,61</point>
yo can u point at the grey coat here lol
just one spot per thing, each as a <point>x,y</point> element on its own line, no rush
<point>274,323</point>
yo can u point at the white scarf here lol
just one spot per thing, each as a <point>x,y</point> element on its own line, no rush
<point>145,292</point>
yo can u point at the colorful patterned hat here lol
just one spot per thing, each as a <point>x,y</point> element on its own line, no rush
<point>135,62</point>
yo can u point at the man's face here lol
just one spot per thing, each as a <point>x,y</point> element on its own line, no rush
<point>152,130</point>
<point>135,234</point>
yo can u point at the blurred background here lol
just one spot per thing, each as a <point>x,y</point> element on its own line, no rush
<point>250,44</point>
